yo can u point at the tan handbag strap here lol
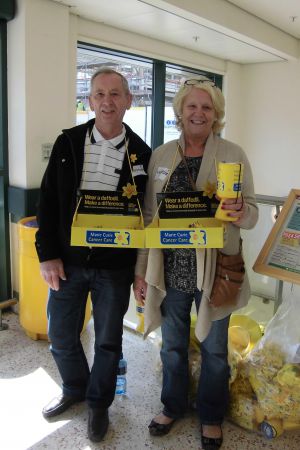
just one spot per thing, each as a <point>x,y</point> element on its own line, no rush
<point>187,168</point>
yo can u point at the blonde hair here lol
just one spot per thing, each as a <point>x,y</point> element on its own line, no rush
<point>213,91</point>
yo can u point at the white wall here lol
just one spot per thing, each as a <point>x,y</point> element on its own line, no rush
<point>232,90</point>
<point>16,86</point>
<point>39,74</point>
<point>271,128</point>
<point>271,125</point>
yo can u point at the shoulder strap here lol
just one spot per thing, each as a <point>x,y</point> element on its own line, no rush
<point>187,168</point>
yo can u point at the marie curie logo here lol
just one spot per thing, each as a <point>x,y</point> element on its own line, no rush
<point>106,237</point>
<point>237,187</point>
<point>197,237</point>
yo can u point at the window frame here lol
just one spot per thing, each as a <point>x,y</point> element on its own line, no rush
<point>158,84</point>
<point>5,275</point>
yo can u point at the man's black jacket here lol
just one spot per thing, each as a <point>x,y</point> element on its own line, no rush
<point>58,199</point>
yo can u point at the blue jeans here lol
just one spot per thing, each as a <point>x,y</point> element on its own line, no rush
<point>213,387</point>
<point>110,293</point>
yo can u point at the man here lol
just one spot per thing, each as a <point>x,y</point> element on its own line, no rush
<point>80,105</point>
<point>95,156</point>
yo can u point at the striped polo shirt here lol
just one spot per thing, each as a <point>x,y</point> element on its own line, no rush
<point>103,161</point>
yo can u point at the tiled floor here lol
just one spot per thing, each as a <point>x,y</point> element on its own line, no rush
<point>28,380</point>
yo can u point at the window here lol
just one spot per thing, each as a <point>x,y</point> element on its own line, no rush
<point>153,84</point>
<point>139,75</point>
<point>174,78</point>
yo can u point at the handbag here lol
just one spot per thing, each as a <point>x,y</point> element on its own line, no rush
<point>230,269</point>
<point>229,277</point>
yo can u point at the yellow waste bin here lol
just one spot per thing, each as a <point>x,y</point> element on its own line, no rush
<point>33,290</point>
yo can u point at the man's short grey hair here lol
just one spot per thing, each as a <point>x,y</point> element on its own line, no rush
<point>108,70</point>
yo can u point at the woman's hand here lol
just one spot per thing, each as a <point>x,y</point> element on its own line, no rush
<point>140,289</point>
<point>236,208</point>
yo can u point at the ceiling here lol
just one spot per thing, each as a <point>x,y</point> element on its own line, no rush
<point>187,25</point>
<point>283,14</point>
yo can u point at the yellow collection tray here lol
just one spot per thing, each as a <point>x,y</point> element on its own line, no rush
<point>185,233</point>
<point>99,230</point>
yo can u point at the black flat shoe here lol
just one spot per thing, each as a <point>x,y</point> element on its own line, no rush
<point>208,443</point>
<point>160,429</point>
<point>59,404</point>
<point>97,424</point>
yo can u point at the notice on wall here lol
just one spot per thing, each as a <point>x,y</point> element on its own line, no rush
<point>280,255</point>
<point>285,252</point>
<point>173,205</point>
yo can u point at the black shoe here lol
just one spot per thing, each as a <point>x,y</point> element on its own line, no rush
<point>209,443</point>
<point>97,424</point>
<point>159,429</point>
<point>59,404</point>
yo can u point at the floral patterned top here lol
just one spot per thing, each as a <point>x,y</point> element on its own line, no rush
<point>180,263</point>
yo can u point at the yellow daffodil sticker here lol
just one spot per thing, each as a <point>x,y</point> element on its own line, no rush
<point>129,190</point>
<point>198,237</point>
<point>209,190</point>
<point>133,158</point>
<point>121,238</point>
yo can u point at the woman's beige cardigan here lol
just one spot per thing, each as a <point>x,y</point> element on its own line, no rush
<point>150,264</point>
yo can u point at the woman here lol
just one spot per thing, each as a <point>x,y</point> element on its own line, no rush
<point>168,281</point>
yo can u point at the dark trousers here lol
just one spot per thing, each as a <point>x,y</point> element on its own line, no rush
<point>213,387</point>
<point>110,293</point>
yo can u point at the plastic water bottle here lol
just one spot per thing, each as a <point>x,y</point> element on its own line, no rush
<point>121,386</point>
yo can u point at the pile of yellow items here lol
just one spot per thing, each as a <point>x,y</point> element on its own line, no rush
<point>265,394</point>
<point>243,334</point>
<point>264,389</point>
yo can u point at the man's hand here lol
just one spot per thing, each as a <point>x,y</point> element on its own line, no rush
<point>52,271</point>
<point>140,289</point>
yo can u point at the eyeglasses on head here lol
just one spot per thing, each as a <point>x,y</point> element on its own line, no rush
<point>195,81</point>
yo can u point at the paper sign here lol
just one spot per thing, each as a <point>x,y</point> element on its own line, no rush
<point>108,202</point>
<point>186,204</point>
